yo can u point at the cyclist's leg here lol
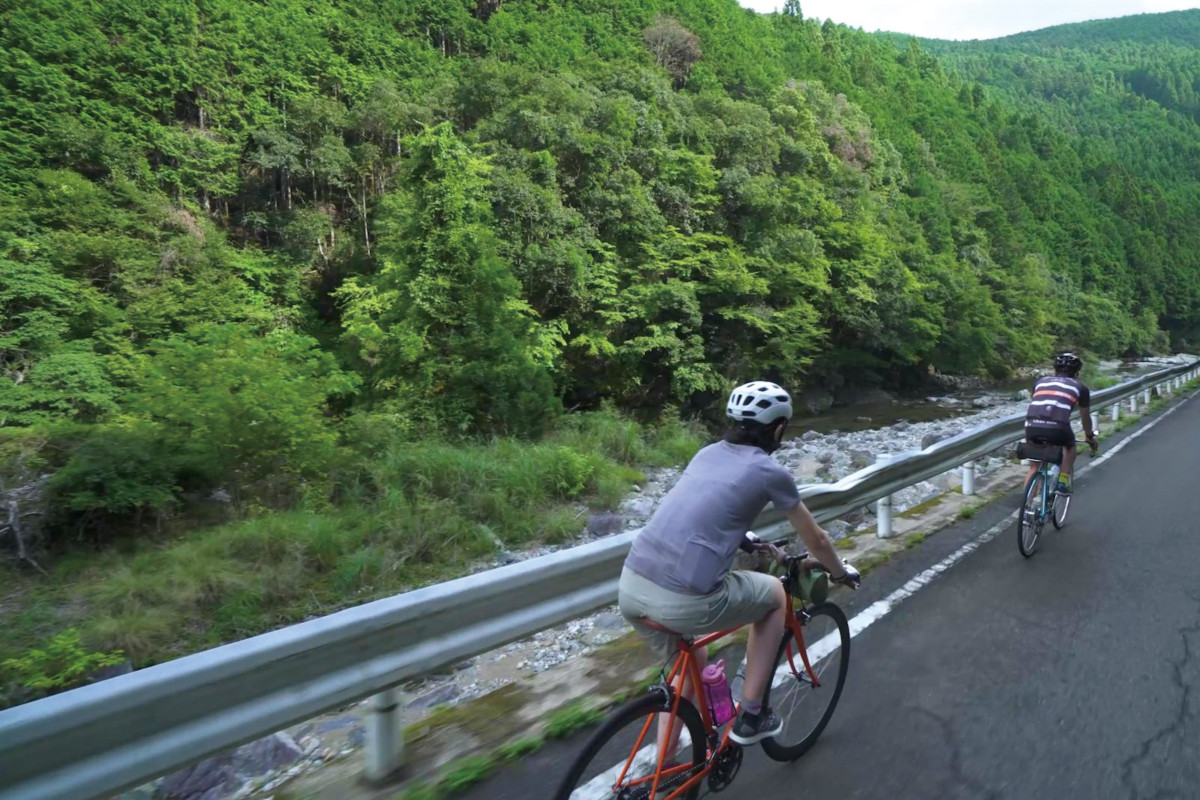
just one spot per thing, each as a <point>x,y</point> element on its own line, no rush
<point>1031,438</point>
<point>1033,468</point>
<point>639,598</point>
<point>1068,464</point>
<point>761,649</point>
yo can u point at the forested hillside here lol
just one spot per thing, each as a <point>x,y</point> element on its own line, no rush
<point>479,207</point>
<point>276,248</point>
<point>1127,93</point>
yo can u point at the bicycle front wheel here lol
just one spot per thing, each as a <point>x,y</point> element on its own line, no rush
<point>1030,519</point>
<point>620,760</point>
<point>804,708</point>
<point>1062,502</point>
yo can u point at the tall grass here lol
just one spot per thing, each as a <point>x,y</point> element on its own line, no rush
<point>411,512</point>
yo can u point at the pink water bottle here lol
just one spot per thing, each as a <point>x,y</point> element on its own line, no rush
<point>716,693</point>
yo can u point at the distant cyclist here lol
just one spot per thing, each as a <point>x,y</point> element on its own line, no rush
<point>1048,420</point>
<point>678,575</point>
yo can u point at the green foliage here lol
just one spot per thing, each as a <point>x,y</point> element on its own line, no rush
<point>446,336</point>
<point>576,716</point>
<point>232,402</point>
<point>520,748</point>
<point>117,470</point>
<point>408,512</point>
<point>467,772</point>
<point>62,664</point>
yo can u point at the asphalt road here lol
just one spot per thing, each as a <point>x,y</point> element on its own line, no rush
<point>1074,674</point>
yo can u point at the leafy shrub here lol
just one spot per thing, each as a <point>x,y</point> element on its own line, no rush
<point>118,469</point>
<point>62,664</point>
<point>241,407</point>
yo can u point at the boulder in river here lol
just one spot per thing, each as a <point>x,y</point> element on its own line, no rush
<point>873,397</point>
<point>815,400</point>
<point>861,458</point>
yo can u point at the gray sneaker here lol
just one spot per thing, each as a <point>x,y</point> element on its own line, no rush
<point>751,728</point>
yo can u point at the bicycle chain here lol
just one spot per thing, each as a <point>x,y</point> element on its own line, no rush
<point>642,791</point>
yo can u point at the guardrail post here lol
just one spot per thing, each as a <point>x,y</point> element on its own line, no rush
<point>968,478</point>
<point>1146,397</point>
<point>883,506</point>
<point>1133,404</point>
<point>385,740</point>
<point>883,517</point>
<point>1116,412</point>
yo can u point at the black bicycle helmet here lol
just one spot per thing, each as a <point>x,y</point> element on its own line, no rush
<point>1068,362</point>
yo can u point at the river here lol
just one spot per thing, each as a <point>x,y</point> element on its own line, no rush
<point>876,414</point>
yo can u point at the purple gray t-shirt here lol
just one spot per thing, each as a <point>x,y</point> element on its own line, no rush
<point>689,543</point>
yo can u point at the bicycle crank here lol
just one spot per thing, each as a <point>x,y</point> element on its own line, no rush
<point>725,767</point>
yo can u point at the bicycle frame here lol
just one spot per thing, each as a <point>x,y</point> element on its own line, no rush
<point>1049,496</point>
<point>686,669</point>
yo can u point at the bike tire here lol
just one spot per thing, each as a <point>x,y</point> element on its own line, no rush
<point>1062,503</point>
<point>612,744</point>
<point>1029,517</point>
<point>806,710</point>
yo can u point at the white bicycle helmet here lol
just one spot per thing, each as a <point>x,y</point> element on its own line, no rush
<point>759,401</point>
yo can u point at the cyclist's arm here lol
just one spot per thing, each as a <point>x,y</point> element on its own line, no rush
<point>1085,415</point>
<point>815,539</point>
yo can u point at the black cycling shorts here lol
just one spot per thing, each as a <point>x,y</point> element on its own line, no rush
<point>1057,435</point>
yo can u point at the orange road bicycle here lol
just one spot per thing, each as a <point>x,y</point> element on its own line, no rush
<point>622,761</point>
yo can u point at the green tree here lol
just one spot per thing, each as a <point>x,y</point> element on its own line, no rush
<point>442,329</point>
<point>236,405</point>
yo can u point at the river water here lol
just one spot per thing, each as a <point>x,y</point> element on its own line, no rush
<point>871,415</point>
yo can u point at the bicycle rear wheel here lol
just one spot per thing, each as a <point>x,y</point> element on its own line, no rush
<point>1030,519</point>
<point>1062,502</point>
<point>619,761</point>
<point>806,709</point>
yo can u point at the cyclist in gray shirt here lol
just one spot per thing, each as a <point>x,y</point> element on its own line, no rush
<point>678,571</point>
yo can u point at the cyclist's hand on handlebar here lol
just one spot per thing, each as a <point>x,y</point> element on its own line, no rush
<point>774,551</point>
<point>752,544</point>
<point>850,577</point>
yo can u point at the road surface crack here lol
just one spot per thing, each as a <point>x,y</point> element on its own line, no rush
<point>953,746</point>
<point>1175,727</point>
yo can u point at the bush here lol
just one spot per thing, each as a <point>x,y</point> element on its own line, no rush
<point>240,407</point>
<point>62,664</point>
<point>117,470</point>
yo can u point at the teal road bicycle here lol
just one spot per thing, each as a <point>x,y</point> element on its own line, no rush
<point>1041,500</point>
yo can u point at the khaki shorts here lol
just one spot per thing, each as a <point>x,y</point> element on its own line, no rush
<point>742,598</point>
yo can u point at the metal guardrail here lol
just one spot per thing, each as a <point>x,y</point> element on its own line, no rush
<point>95,741</point>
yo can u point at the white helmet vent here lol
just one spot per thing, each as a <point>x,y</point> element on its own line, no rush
<point>759,401</point>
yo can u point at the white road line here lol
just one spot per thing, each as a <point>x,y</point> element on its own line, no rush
<point>600,786</point>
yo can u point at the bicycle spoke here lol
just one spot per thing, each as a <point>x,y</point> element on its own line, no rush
<point>806,708</point>
<point>622,758</point>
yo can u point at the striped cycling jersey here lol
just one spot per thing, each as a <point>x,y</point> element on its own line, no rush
<point>1054,398</point>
